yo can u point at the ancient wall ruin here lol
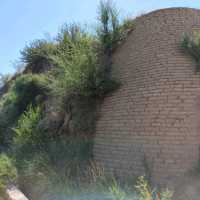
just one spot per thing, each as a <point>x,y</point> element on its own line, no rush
<point>150,125</point>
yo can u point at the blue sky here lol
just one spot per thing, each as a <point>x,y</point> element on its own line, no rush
<point>22,21</point>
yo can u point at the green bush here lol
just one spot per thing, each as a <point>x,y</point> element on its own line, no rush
<point>8,116</point>
<point>60,154</point>
<point>7,120</point>
<point>116,192</point>
<point>25,131</point>
<point>8,173</point>
<point>38,54</point>
<point>75,62</point>
<point>27,137</point>
<point>28,89</point>
<point>25,90</point>
<point>145,192</point>
<point>59,165</point>
<point>108,31</point>
<point>191,44</point>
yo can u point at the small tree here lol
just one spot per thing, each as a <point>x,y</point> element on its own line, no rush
<point>109,27</point>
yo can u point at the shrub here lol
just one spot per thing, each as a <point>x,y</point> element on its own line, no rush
<point>64,156</point>
<point>76,61</point>
<point>8,116</point>
<point>38,54</point>
<point>28,89</point>
<point>57,167</point>
<point>127,25</point>
<point>26,127</point>
<point>69,155</point>
<point>27,138</point>
<point>191,44</point>
<point>116,192</point>
<point>24,90</point>
<point>79,66</point>
<point>146,193</point>
<point>108,31</point>
<point>8,173</point>
<point>71,36</point>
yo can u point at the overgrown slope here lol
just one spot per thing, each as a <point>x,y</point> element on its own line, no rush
<point>48,111</point>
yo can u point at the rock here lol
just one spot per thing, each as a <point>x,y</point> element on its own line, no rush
<point>13,193</point>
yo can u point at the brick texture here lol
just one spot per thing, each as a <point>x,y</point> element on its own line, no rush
<point>150,125</point>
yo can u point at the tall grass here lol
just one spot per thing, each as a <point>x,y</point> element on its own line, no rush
<point>8,174</point>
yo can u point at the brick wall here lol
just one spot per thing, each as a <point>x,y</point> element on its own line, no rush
<point>150,125</point>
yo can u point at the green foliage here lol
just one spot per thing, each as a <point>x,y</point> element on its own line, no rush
<point>26,133</point>
<point>126,26</point>
<point>8,116</point>
<point>146,193</point>
<point>7,99</point>
<point>57,167</point>
<point>28,89</point>
<point>76,60</point>
<point>166,195</point>
<point>37,54</point>
<point>69,157</point>
<point>25,90</point>
<point>80,77</point>
<point>144,189</point>
<point>108,31</point>
<point>111,29</point>
<point>8,173</point>
<point>116,192</point>
<point>61,157</point>
<point>191,44</point>
<point>72,36</point>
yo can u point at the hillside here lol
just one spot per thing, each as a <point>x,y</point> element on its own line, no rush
<point>109,115</point>
<point>49,109</point>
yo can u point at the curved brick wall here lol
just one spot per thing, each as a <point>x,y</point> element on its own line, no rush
<point>150,125</point>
